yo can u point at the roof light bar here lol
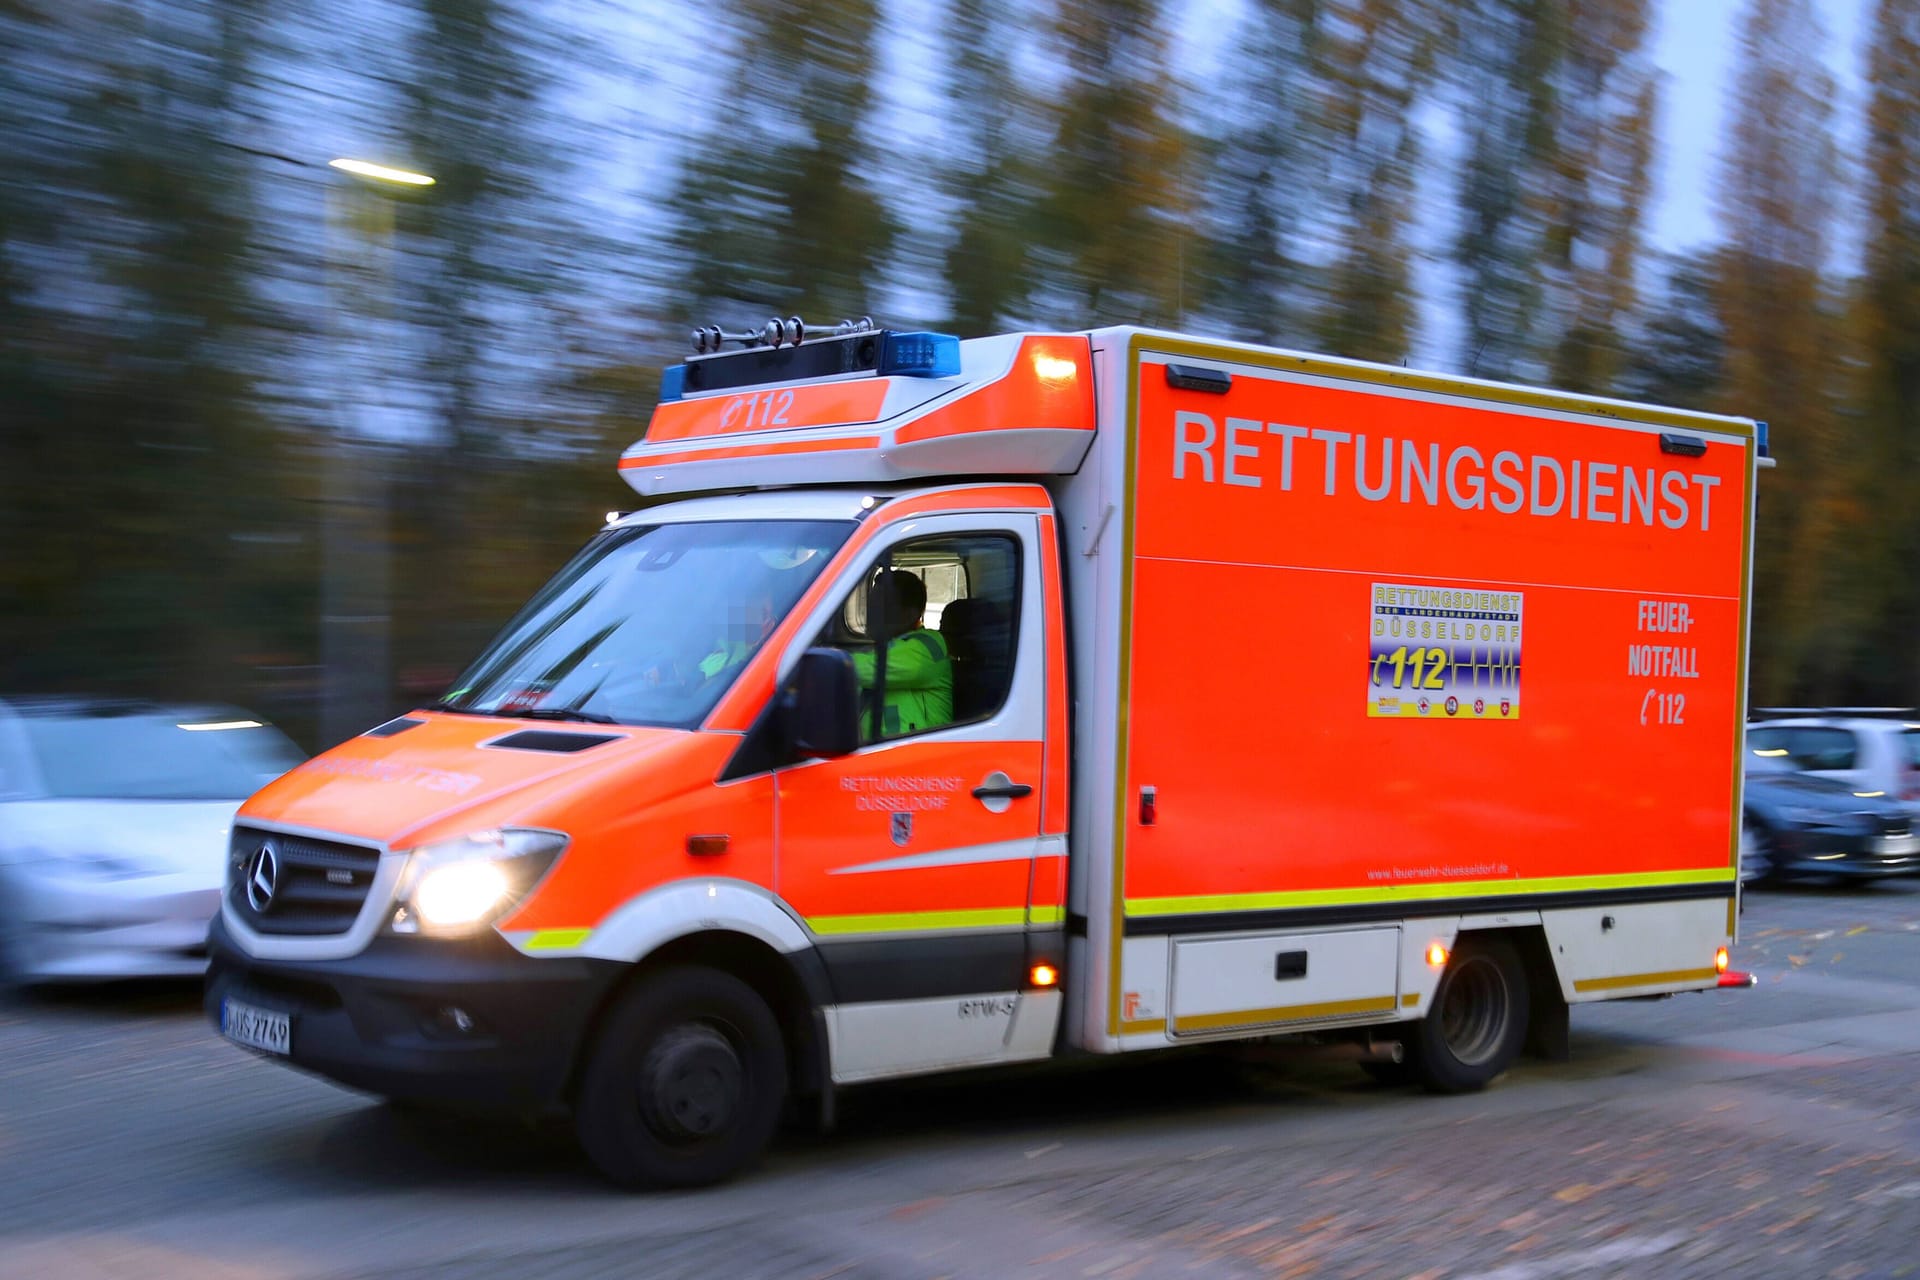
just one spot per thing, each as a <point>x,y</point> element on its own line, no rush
<point>791,332</point>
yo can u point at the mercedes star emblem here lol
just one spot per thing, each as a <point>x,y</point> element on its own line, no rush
<point>263,877</point>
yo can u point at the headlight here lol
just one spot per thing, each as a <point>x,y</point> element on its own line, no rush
<point>459,886</point>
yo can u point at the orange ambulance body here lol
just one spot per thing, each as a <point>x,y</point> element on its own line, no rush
<point>1263,693</point>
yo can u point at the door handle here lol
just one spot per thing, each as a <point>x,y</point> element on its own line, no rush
<point>1002,791</point>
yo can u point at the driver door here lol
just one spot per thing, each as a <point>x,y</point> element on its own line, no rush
<point>913,859</point>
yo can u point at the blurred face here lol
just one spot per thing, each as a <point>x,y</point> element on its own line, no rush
<point>750,621</point>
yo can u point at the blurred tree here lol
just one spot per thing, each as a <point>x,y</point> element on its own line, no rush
<point>1114,234</point>
<point>1890,390</point>
<point>1378,58</point>
<point>1506,59</point>
<point>993,174</point>
<point>1559,119</point>
<point>774,211</point>
<point>1259,172</point>
<point>1678,356</point>
<point>478,271</point>
<point>1777,195</point>
<point>132,351</point>
<point>1597,187</point>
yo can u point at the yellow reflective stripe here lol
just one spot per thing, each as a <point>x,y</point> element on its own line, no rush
<point>1205,903</point>
<point>1647,980</point>
<point>1289,1013</point>
<point>1046,915</point>
<point>554,939</point>
<point>919,921</point>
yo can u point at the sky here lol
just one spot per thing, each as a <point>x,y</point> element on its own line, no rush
<point>1695,46</point>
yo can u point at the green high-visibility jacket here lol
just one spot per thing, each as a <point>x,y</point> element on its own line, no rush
<point>727,655</point>
<point>919,683</point>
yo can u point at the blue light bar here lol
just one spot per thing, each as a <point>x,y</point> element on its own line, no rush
<point>673,382</point>
<point>921,355</point>
<point>1762,429</point>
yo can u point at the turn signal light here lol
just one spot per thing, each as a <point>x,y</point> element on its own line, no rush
<point>1437,956</point>
<point>1721,960</point>
<point>1044,975</point>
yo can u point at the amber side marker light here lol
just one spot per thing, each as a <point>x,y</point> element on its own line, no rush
<point>1437,956</point>
<point>1044,975</point>
<point>1721,960</point>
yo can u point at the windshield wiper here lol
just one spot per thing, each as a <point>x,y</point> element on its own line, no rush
<point>531,713</point>
<point>558,713</point>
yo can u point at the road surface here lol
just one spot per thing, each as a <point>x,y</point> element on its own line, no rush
<point>1765,1133</point>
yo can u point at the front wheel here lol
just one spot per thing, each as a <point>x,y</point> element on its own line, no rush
<point>1756,855</point>
<point>684,1085</point>
<point>1478,1021</point>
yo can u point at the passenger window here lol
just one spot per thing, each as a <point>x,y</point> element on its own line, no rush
<point>1822,748</point>
<point>948,608</point>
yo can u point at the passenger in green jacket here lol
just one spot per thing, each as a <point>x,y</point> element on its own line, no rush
<point>919,693</point>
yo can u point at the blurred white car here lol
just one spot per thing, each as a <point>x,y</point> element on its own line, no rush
<point>113,832</point>
<point>1876,752</point>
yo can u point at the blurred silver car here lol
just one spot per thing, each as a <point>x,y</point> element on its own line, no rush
<point>1873,750</point>
<point>113,832</point>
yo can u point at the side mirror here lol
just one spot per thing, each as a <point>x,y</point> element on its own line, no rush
<point>822,705</point>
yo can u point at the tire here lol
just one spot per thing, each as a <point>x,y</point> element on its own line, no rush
<point>1756,847</point>
<point>1478,1022</point>
<point>14,980</point>
<point>685,1083</point>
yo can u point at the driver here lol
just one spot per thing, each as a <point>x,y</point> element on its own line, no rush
<point>919,683</point>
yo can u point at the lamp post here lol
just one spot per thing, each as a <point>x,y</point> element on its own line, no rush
<point>355,597</point>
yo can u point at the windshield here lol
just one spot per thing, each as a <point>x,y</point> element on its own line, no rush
<point>649,624</point>
<point>157,757</point>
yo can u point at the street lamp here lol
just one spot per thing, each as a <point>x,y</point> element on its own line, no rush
<point>355,595</point>
<point>381,173</point>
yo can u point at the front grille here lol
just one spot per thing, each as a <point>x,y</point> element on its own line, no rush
<point>317,886</point>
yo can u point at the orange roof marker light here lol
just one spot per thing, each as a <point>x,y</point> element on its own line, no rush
<point>789,405</point>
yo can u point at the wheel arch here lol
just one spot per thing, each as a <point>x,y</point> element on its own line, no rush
<point>733,926</point>
<point>1547,1013</point>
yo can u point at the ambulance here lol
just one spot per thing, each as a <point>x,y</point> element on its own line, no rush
<point>955,704</point>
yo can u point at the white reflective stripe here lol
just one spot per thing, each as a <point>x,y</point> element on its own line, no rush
<point>965,855</point>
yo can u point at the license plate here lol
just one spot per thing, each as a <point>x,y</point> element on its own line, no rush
<point>1897,844</point>
<point>255,1027</point>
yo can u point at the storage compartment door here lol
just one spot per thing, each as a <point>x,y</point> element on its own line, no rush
<point>1223,984</point>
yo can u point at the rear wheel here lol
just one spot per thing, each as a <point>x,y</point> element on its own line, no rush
<point>1478,1021</point>
<point>685,1084</point>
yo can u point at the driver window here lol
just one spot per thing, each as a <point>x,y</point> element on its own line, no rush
<point>947,608</point>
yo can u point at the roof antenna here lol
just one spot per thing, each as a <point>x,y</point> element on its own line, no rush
<point>1475,362</point>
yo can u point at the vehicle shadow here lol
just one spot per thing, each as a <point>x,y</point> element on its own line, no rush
<point>124,998</point>
<point>1836,887</point>
<point>383,1145</point>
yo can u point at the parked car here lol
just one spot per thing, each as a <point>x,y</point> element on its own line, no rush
<point>1869,749</point>
<point>1795,823</point>
<point>113,831</point>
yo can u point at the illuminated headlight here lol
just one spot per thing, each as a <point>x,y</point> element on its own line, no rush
<point>459,886</point>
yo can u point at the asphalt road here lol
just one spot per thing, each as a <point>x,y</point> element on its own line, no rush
<point>1761,1133</point>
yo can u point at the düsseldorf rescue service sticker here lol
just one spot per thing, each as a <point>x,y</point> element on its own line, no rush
<point>1444,653</point>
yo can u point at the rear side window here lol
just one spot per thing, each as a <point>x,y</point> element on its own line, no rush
<point>1806,747</point>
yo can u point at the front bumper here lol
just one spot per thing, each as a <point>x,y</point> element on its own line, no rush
<point>383,1021</point>
<point>1850,855</point>
<point>73,928</point>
